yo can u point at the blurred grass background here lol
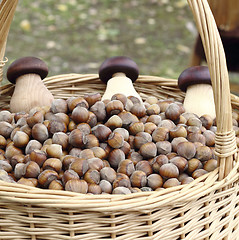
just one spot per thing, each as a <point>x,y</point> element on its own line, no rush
<point>76,36</point>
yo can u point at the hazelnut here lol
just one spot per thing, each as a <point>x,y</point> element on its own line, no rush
<point>19,170</point>
<point>194,164</point>
<point>114,122</point>
<point>92,176</point>
<point>210,165</point>
<point>62,117</point>
<point>99,110</point>
<point>122,180</point>
<point>54,151</point>
<point>172,182</point>
<point>115,140</point>
<point>169,170</point>
<point>92,120</point>
<point>186,150</point>
<point>167,123</point>
<point>138,110</point>
<point>20,139</point>
<point>135,157</point>
<point>203,153</point>
<point>180,162</point>
<point>108,173</point>
<point>35,118</point>
<point>115,156</point>
<point>59,106</point>
<point>176,141</point>
<point>145,167</point>
<point>160,134</point>
<point>79,165</point>
<point>158,162</point>
<point>56,126</point>
<point>3,142</point>
<point>56,185</point>
<point>27,181</point>
<point>121,190</point>
<point>77,185</point>
<point>209,137</point>
<point>99,152</point>
<point>5,165</point>
<point>194,121</point>
<point>68,175</point>
<point>135,128</point>
<point>149,127</point>
<point>114,107</point>
<point>95,163</point>
<point>38,156</point>
<point>94,188</point>
<point>126,166</point>
<point>76,138</point>
<point>32,170</point>
<point>156,119</point>
<point>141,138</point>
<point>53,163</point>
<point>125,148</point>
<point>198,173</point>
<point>60,138</point>
<point>138,179</point>
<point>101,132</point>
<point>76,101</point>
<point>40,132</point>
<point>153,109</point>
<point>26,129</point>
<point>196,137</point>
<point>11,150</point>
<point>127,118</point>
<point>178,131</point>
<point>84,127</point>
<point>105,186</point>
<point>163,147</point>
<point>92,98</point>
<point>18,158</point>
<point>148,150</point>
<point>155,181</point>
<point>80,114</point>
<point>5,129</point>
<point>187,180</point>
<point>6,116</point>
<point>87,154</point>
<point>123,132</point>
<point>173,111</point>
<point>206,120</point>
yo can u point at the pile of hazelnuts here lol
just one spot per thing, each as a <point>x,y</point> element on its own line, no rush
<point>118,146</point>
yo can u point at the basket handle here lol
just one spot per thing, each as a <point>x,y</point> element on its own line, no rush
<point>7,10</point>
<point>225,146</point>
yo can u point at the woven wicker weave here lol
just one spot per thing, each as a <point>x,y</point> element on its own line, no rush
<point>207,208</point>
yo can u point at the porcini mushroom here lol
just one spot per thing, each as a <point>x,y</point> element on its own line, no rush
<point>27,74</point>
<point>196,82</point>
<point>119,73</point>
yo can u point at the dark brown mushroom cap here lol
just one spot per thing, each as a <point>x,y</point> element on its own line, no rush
<point>194,75</point>
<point>26,65</point>
<point>118,64</point>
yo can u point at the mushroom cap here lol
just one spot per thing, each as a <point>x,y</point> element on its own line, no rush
<point>26,65</point>
<point>194,75</point>
<point>118,64</point>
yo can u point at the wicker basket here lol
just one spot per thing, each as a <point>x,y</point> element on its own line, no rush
<point>207,208</point>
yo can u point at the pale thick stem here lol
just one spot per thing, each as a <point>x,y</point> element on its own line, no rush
<point>30,92</point>
<point>120,84</point>
<point>199,100</point>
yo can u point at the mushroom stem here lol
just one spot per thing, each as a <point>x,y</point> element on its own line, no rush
<point>120,83</point>
<point>199,100</point>
<point>29,92</point>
